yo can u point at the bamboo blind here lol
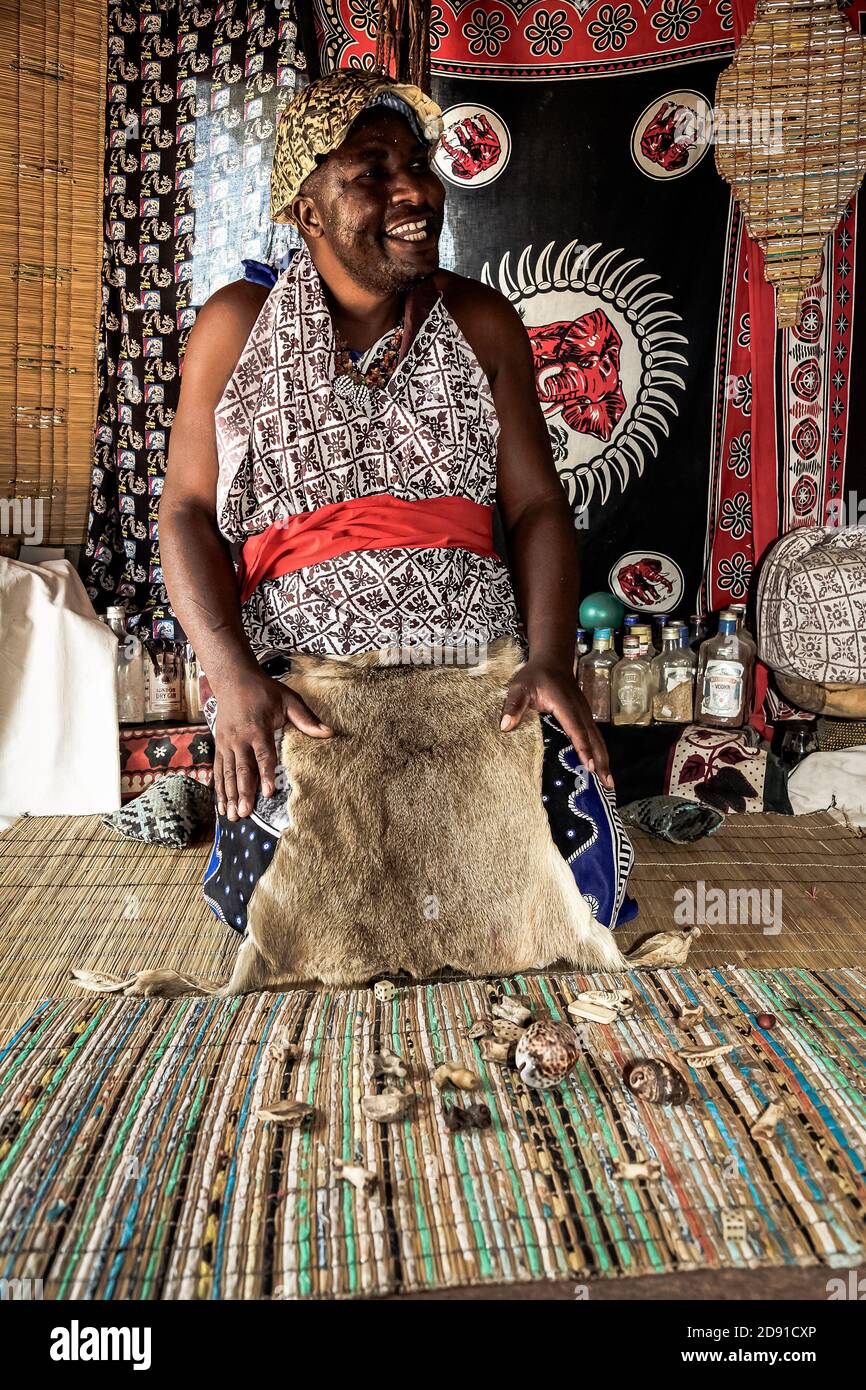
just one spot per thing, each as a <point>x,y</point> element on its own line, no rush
<point>801,68</point>
<point>51,169</point>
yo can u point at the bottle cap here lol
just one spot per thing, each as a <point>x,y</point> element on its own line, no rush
<point>641,628</point>
<point>581,632</point>
<point>630,646</point>
<point>671,632</point>
<point>603,634</point>
<point>727,623</point>
<point>631,619</point>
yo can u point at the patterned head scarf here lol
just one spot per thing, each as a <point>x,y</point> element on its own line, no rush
<point>318,119</point>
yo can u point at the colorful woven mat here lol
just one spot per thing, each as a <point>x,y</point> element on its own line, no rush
<point>133,1164</point>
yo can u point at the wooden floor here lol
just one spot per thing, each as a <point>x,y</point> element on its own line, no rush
<point>73,893</point>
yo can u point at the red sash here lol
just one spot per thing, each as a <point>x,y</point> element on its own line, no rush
<point>379,522</point>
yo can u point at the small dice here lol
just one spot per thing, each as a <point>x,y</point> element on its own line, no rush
<point>384,990</point>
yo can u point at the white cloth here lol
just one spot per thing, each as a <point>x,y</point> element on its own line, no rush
<point>59,749</point>
<point>834,781</point>
<point>293,435</point>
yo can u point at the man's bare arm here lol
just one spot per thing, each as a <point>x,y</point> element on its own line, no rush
<point>542,542</point>
<point>199,572</point>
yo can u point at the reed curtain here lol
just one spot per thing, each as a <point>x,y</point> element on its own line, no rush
<point>51,140</point>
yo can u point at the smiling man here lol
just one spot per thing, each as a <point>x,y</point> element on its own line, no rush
<point>350,431</point>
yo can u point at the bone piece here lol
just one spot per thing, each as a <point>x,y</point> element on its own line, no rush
<point>492,1050</point>
<point>387,1063</point>
<point>620,1000</point>
<point>690,1013</point>
<point>384,990</point>
<point>765,1125</point>
<point>734,1225</point>
<point>624,1171</point>
<point>473,1117</point>
<point>699,1057</point>
<point>480,1029</point>
<point>363,1179</point>
<point>508,1008</point>
<point>596,1013</point>
<point>281,1046</point>
<point>505,1031</point>
<point>390,1105</point>
<point>453,1074</point>
<point>664,948</point>
<point>286,1112</point>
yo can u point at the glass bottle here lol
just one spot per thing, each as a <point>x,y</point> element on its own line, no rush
<point>581,646</point>
<point>631,687</point>
<point>739,612</point>
<point>130,670</point>
<point>644,633</point>
<point>699,630</point>
<point>594,671</point>
<point>191,692</point>
<point>163,682</point>
<point>673,672</point>
<point>724,682</point>
<point>659,622</point>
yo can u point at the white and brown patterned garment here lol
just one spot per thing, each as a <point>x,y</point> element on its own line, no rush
<point>292,437</point>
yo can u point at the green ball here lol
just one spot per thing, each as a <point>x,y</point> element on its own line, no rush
<point>601,610</point>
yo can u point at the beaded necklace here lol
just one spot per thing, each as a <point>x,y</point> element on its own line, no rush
<point>380,370</point>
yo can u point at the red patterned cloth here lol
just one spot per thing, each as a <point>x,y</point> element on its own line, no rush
<point>154,749</point>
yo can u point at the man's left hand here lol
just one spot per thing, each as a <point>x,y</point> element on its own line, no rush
<point>552,690</point>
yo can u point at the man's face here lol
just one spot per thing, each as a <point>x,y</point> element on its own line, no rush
<point>379,203</point>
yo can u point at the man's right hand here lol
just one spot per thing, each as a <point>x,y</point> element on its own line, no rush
<point>249,712</point>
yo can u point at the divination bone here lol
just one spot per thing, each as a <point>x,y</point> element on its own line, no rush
<point>418,797</point>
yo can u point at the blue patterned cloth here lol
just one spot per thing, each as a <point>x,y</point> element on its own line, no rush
<point>584,824</point>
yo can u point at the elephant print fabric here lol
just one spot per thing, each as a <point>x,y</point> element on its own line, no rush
<point>619,291</point>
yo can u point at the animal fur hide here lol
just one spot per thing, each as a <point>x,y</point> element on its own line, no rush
<point>417,840</point>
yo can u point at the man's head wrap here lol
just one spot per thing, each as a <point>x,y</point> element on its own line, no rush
<point>319,118</point>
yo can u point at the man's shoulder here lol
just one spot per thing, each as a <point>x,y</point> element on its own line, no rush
<point>236,305</point>
<point>489,323</point>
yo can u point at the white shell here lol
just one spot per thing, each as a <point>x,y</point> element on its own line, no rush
<point>664,948</point>
<point>765,1125</point>
<point>510,1009</point>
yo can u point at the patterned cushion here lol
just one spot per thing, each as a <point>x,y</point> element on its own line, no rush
<point>168,813</point>
<point>812,605</point>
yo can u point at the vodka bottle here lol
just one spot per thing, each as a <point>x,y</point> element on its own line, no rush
<point>724,683</point>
